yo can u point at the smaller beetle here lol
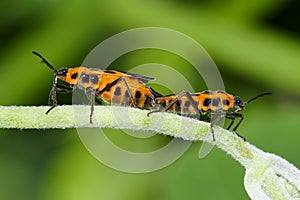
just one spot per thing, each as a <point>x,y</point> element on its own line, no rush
<point>207,105</point>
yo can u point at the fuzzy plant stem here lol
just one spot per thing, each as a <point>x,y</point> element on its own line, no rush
<point>267,176</point>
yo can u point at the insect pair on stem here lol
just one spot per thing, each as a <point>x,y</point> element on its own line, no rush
<point>120,88</point>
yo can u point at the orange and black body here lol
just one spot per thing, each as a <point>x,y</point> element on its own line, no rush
<point>114,87</point>
<point>209,105</point>
<point>197,103</point>
<point>119,88</point>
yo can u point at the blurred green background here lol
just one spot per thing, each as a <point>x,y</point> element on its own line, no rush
<point>255,44</point>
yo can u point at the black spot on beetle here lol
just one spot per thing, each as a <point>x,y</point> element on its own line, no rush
<point>216,102</point>
<point>163,104</point>
<point>187,104</point>
<point>85,78</point>
<point>226,102</point>
<point>94,79</point>
<point>178,106</point>
<point>138,94</point>
<point>74,76</point>
<point>127,95</point>
<point>178,103</point>
<point>207,102</point>
<point>117,91</point>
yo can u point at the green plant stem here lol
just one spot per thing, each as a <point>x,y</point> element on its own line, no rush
<point>267,176</point>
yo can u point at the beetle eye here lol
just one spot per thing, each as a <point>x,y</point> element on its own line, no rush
<point>62,72</point>
<point>238,102</point>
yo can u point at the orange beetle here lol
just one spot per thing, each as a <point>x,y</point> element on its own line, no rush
<point>114,87</point>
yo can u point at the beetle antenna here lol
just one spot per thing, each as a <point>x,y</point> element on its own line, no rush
<point>258,96</point>
<point>45,61</point>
